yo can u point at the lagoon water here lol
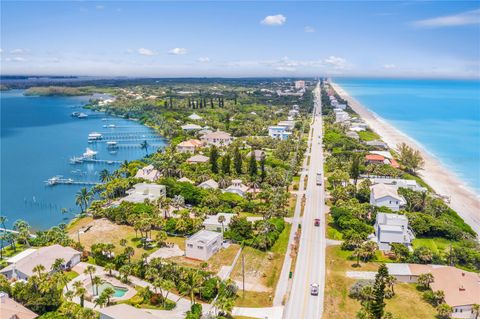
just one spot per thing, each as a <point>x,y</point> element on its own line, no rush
<point>442,115</point>
<point>38,137</point>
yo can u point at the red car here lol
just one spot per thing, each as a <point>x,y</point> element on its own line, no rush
<point>317,222</point>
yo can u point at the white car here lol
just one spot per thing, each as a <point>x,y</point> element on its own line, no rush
<point>314,289</point>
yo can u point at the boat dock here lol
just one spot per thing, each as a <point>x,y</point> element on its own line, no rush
<point>58,180</point>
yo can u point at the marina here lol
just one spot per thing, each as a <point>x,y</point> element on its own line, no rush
<point>58,180</point>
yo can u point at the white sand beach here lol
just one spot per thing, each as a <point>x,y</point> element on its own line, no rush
<point>444,182</point>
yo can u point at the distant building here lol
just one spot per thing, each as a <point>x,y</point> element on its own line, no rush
<point>149,173</point>
<point>341,116</point>
<point>184,180</point>
<point>189,146</point>
<point>10,309</point>
<point>195,117</point>
<point>124,311</point>
<point>377,144</point>
<point>353,135</point>
<point>341,106</point>
<point>290,125</point>
<point>191,127</point>
<point>293,113</point>
<point>203,244</point>
<point>196,159</point>
<point>398,182</point>
<point>237,187</point>
<point>217,138</point>
<point>21,266</point>
<point>210,184</point>
<point>279,132</point>
<point>386,195</point>
<point>211,222</point>
<point>142,191</point>
<point>392,228</point>
<point>376,159</point>
<point>299,85</point>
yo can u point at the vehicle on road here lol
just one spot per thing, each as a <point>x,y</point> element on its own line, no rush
<point>316,222</point>
<point>314,289</point>
<point>319,178</point>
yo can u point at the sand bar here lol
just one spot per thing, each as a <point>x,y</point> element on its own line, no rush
<point>444,182</point>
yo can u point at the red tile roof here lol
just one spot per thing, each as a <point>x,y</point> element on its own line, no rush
<point>374,157</point>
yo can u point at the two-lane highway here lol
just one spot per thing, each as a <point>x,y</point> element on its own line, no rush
<point>310,266</point>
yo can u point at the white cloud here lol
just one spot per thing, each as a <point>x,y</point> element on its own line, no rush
<point>99,7</point>
<point>389,66</point>
<point>278,19</point>
<point>336,62</point>
<point>16,59</point>
<point>147,52</point>
<point>286,68</point>
<point>1,50</point>
<point>18,51</point>
<point>464,18</point>
<point>203,59</point>
<point>309,29</point>
<point>178,51</point>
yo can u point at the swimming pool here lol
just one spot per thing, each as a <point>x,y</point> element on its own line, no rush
<point>119,291</point>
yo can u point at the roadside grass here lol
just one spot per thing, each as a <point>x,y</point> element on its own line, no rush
<point>224,257</point>
<point>112,233</point>
<point>332,231</point>
<point>368,135</point>
<point>263,268</point>
<point>407,303</point>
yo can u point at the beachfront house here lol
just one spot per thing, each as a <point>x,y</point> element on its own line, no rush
<point>386,195</point>
<point>10,309</point>
<point>198,159</point>
<point>189,146</point>
<point>392,228</point>
<point>142,191</point>
<point>211,222</point>
<point>461,288</point>
<point>217,138</point>
<point>398,182</point>
<point>353,135</point>
<point>21,265</point>
<point>378,144</point>
<point>191,127</point>
<point>341,116</point>
<point>203,244</point>
<point>237,187</point>
<point>149,173</point>
<point>209,184</point>
<point>124,311</point>
<point>278,132</point>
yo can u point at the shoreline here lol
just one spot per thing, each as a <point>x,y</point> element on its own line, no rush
<point>462,199</point>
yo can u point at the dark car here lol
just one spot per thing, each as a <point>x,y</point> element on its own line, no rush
<point>316,222</point>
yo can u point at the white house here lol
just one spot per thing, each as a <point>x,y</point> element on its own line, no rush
<point>341,106</point>
<point>386,195</point>
<point>148,173</point>
<point>203,244</point>
<point>217,138</point>
<point>341,116</point>
<point>142,191</point>
<point>278,132</point>
<point>21,267</point>
<point>398,182</point>
<point>189,146</point>
<point>210,184</point>
<point>196,159</point>
<point>289,124</point>
<point>392,228</point>
<point>195,117</point>
<point>237,187</point>
<point>378,144</point>
<point>211,222</point>
<point>124,311</point>
<point>191,127</point>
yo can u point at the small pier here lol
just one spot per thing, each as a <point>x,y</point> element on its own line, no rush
<point>58,180</point>
<point>83,159</point>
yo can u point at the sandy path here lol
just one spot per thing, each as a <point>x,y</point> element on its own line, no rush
<point>444,182</point>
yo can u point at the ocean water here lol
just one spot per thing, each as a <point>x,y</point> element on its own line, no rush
<point>38,138</point>
<point>442,115</point>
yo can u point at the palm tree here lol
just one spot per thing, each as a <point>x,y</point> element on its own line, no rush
<point>144,146</point>
<point>101,301</point>
<point>82,198</point>
<point>39,269</point>
<point>123,242</point>
<point>105,176</point>
<point>108,294</point>
<point>97,281</point>
<point>476,310</point>
<point>90,270</point>
<point>79,291</point>
<point>390,282</point>
<point>23,229</point>
<point>425,280</point>
<point>3,220</point>
<point>109,267</point>
<point>221,220</point>
<point>129,251</point>
<point>125,271</point>
<point>191,284</point>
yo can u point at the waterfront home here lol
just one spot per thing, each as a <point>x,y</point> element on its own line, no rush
<point>189,146</point>
<point>259,154</point>
<point>142,191</point>
<point>210,184</point>
<point>354,127</point>
<point>288,124</point>
<point>398,182</point>
<point>386,195</point>
<point>204,131</point>
<point>341,116</point>
<point>237,187</point>
<point>10,309</point>
<point>392,228</point>
<point>353,135</point>
<point>195,117</point>
<point>149,173</point>
<point>377,144</point>
<point>21,266</point>
<point>196,159</point>
<point>278,132</point>
<point>375,159</point>
<point>124,311</point>
<point>211,222</point>
<point>217,138</point>
<point>461,288</point>
<point>203,244</point>
<point>341,106</point>
<point>191,127</point>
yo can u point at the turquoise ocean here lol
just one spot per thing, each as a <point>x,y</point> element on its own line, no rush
<point>442,115</point>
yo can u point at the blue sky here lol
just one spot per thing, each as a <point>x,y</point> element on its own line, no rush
<point>391,38</point>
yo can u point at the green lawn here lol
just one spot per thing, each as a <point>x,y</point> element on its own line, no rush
<point>436,245</point>
<point>280,246</point>
<point>332,232</point>
<point>368,135</point>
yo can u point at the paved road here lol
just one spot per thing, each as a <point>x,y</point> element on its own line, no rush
<point>310,267</point>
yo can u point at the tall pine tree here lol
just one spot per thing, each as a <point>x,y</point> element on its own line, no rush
<point>226,163</point>
<point>237,160</point>
<point>214,159</point>
<point>252,164</point>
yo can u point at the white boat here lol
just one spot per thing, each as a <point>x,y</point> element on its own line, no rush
<point>89,153</point>
<point>94,136</point>
<point>82,116</point>
<point>112,144</point>
<point>110,126</point>
<point>76,160</point>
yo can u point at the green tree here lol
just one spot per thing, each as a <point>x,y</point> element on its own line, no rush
<point>90,270</point>
<point>144,146</point>
<point>444,311</point>
<point>263,173</point>
<point>226,163</point>
<point>82,198</point>
<point>425,280</point>
<point>214,159</point>
<point>355,169</point>
<point>252,165</point>
<point>237,160</point>
<point>105,176</point>
<point>411,159</point>
<point>377,305</point>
